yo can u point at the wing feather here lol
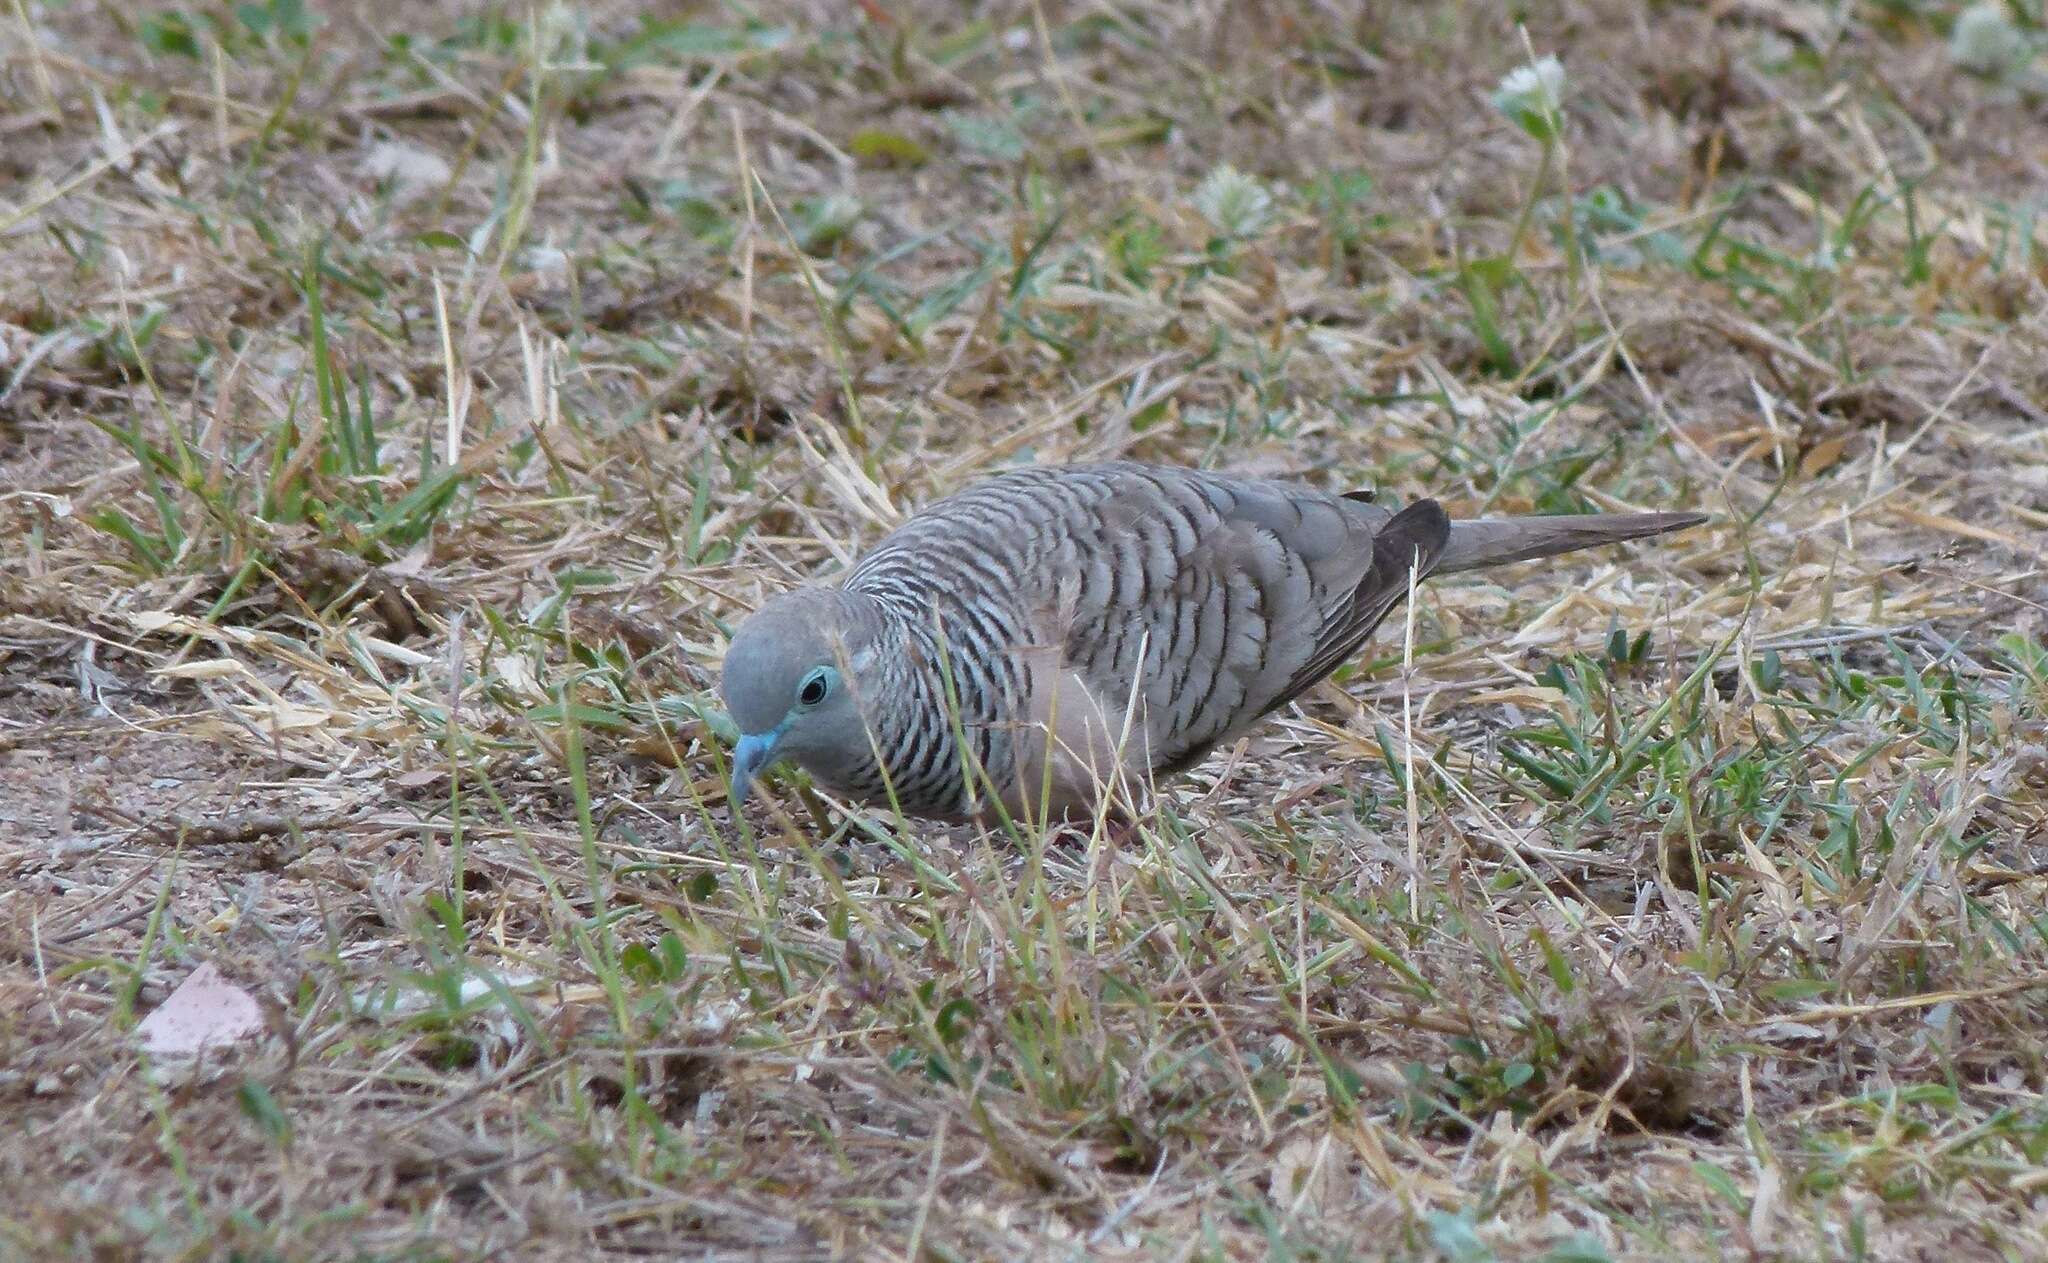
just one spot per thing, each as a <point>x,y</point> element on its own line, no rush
<point>1253,592</point>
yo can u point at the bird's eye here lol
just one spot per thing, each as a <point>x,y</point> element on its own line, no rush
<point>815,687</point>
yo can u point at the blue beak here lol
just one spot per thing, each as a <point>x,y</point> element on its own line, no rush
<point>755,754</point>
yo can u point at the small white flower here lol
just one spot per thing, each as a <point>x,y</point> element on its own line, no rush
<point>1237,204</point>
<point>1539,86</point>
<point>412,170</point>
<point>1533,95</point>
<point>548,260</point>
<point>1986,42</point>
<point>557,32</point>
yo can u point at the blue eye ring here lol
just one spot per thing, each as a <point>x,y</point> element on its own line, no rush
<point>816,687</point>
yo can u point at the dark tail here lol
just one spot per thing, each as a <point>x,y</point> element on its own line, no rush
<point>1497,541</point>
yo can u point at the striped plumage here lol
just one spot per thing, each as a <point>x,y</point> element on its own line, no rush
<point>1080,626</point>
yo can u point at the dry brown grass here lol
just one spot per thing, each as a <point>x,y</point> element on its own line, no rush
<point>1730,947</point>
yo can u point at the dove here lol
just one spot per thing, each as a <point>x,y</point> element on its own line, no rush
<point>1055,640</point>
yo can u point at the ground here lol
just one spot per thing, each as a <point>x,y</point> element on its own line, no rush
<point>400,403</point>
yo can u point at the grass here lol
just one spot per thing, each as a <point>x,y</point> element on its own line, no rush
<point>399,406</point>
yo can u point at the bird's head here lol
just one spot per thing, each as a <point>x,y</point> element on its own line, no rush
<point>792,684</point>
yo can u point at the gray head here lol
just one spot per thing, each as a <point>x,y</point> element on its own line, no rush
<point>792,683</point>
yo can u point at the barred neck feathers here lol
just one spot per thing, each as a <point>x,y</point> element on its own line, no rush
<point>959,680</point>
<point>945,680</point>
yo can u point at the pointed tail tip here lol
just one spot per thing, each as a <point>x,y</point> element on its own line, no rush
<point>1644,525</point>
<point>1498,541</point>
